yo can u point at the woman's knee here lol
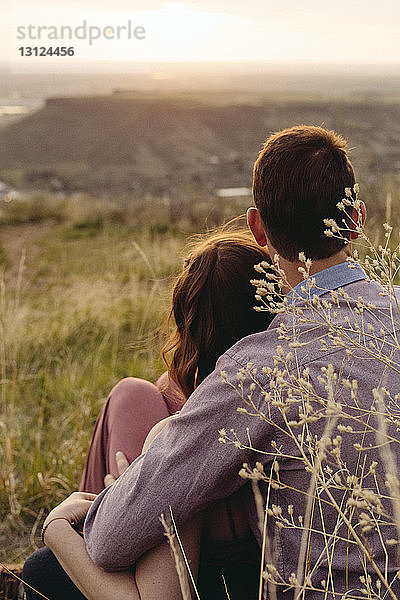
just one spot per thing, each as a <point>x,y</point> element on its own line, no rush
<point>133,395</point>
<point>32,570</point>
<point>43,572</point>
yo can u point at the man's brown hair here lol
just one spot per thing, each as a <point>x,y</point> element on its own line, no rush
<point>299,177</point>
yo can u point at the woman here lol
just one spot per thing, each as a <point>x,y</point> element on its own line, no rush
<point>212,307</point>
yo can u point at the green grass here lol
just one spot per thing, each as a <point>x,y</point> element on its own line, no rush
<point>3,259</point>
<point>86,312</point>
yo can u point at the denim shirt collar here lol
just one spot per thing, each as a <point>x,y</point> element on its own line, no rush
<point>328,280</point>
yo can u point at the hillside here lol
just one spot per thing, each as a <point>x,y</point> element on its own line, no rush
<point>134,142</point>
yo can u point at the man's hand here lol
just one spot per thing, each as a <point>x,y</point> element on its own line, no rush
<point>122,465</point>
<point>73,508</point>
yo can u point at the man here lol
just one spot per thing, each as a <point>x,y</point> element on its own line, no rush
<point>299,178</point>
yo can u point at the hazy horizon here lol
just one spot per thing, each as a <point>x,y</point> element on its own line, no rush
<point>120,67</point>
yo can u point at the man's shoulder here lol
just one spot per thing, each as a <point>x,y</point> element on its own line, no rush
<point>260,348</point>
<point>254,347</point>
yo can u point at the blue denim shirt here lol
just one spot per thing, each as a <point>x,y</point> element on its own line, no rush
<point>328,280</point>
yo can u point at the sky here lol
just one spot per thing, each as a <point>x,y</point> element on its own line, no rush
<point>272,31</point>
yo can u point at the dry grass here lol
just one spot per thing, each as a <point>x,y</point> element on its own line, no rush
<point>81,306</point>
<point>345,439</point>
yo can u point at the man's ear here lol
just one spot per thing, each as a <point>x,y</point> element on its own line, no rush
<point>359,218</point>
<point>256,226</point>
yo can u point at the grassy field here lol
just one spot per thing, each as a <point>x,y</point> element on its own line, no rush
<point>84,294</point>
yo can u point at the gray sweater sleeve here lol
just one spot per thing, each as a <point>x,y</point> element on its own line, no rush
<point>186,468</point>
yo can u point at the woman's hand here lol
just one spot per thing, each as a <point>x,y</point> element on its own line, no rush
<point>73,509</point>
<point>122,465</point>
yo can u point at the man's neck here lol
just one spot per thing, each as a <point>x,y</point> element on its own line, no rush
<point>292,268</point>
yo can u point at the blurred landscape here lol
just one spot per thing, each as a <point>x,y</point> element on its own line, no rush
<point>175,130</point>
<point>102,179</point>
